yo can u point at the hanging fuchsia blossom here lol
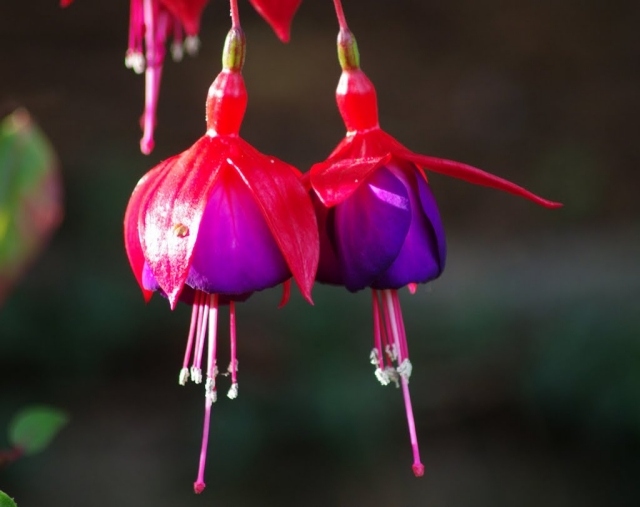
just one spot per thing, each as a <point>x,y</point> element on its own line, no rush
<point>378,219</point>
<point>217,222</point>
<point>151,24</point>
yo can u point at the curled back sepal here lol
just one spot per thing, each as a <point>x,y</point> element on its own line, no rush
<point>170,218</point>
<point>288,211</point>
<point>279,14</point>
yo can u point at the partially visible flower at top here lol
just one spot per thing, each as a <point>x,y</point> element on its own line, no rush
<point>378,219</point>
<point>217,222</point>
<point>153,22</point>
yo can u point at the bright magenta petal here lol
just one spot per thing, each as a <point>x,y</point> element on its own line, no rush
<point>287,209</point>
<point>279,14</point>
<point>335,180</point>
<point>173,213</point>
<point>474,175</point>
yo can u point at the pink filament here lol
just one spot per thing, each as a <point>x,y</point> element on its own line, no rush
<point>199,485</point>
<point>232,332</point>
<point>192,328</point>
<point>393,317</point>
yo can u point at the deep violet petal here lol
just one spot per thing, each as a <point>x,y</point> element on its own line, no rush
<point>328,265</point>
<point>370,228</point>
<point>235,251</point>
<point>421,257</point>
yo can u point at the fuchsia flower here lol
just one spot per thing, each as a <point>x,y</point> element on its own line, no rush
<point>217,222</point>
<point>153,22</point>
<point>378,219</point>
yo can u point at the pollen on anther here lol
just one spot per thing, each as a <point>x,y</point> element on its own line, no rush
<point>192,45</point>
<point>184,376</point>
<point>196,375</point>
<point>233,392</point>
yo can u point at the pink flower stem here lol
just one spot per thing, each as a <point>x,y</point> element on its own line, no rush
<point>196,370</point>
<point>392,310</point>
<point>210,388</point>
<point>233,367</point>
<point>184,373</point>
<point>199,485</point>
<point>156,23</point>
<point>342,21</point>
<point>377,328</point>
<point>235,14</point>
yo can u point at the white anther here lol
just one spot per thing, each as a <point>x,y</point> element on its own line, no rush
<point>382,376</point>
<point>184,376</point>
<point>405,369</point>
<point>135,61</point>
<point>177,51</point>
<point>392,351</point>
<point>233,391</point>
<point>374,357</point>
<point>392,373</point>
<point>192,44</point>
<point>210,389</point>
<point>196,375</point>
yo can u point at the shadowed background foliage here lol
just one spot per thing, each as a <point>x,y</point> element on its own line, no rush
<point>526,354</point>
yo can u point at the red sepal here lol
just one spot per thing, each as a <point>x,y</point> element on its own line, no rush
<point>357,156</point>
<point>335,181</point>
<point>169,231</point>
<point>287,210</point>
<point>475,176</point>
<point>188,12</point>
<point>137,204</point>
<point>279,14</point>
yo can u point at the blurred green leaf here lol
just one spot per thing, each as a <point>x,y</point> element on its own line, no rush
<point>30,195</point>
<point>6,501</point>
<point>33,428</point>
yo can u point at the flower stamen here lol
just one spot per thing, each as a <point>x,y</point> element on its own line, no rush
<point>233,365</point>
<point>390,340</point>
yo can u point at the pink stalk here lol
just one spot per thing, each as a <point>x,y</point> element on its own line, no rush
<point>199,485</point>
<point>377,329</point>
<point>235,15</point>
<point>196,369</point>
<point>184,373</point>
<point>342,21</point>
<point>233,365</point>
<point>394,316</point>
<point>210,388</point>
<point>156,25</point>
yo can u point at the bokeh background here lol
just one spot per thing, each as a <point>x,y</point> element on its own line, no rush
<point>526,352</point>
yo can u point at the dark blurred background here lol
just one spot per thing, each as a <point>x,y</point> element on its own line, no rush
<point>526,352</point>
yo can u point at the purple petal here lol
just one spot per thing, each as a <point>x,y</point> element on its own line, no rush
<point>328,265</point>
<point>235,252</point>
<point>422,255</point>
<point>187,295</point>
<point>370,228</point>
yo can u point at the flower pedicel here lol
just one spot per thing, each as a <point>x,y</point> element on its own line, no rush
<point>379,222</point>
<point>217,222</point>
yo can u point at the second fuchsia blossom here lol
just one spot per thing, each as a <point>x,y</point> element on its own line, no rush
<point>378,219</point>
